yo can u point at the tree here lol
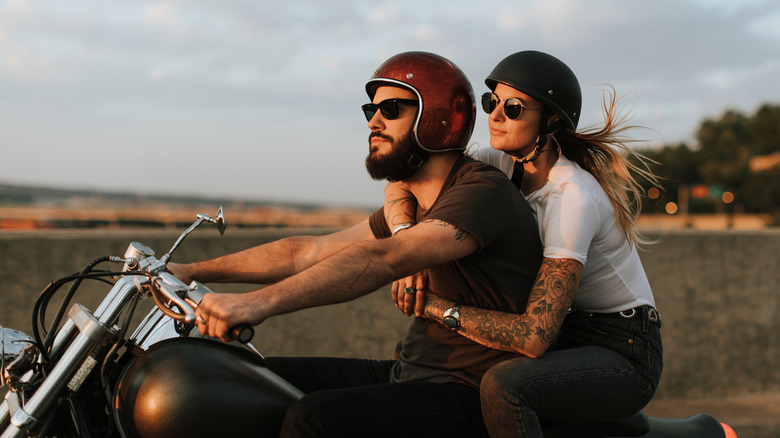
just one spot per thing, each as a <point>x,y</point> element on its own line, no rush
<point>765,127</point>
<point>725,148</point>
<point>676,165</point>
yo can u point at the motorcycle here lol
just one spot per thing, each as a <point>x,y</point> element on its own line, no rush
<point>87,377</point>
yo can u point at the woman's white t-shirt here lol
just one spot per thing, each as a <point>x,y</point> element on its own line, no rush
<point>576,221</point>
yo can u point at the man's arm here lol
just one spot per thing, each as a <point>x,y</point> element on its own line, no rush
<point>529,333</point>
<point>356,270</point>
<point>273,261</point>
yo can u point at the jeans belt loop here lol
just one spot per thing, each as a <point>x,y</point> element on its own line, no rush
<point>649,314</point>
<point>654,316</point>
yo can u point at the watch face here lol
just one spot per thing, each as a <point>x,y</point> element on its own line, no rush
<point>450,322</point>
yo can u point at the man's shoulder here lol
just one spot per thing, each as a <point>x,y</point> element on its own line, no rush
<point>472,168</point>
<point>482,190</point>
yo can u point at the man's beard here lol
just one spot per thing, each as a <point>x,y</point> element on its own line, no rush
<point>395,165</point>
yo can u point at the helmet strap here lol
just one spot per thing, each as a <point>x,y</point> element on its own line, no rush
<point>540,142</point>
<point>414,163</point>
<point>541,139</point>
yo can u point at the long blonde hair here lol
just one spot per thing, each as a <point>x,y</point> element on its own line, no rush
<point>603,152</point>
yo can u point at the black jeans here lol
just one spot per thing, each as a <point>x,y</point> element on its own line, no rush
<point>353,398</point>
<point>604,368</point>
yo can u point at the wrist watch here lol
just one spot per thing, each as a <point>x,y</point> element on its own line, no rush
<point>451,318</point>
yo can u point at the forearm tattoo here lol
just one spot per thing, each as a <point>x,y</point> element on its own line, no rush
<point>435,306</point>
<point>552,295</point>
<point>547,307</point>
<point>365,280</point>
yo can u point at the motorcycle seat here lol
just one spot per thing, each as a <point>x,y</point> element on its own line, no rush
<point>636,425</point>
<point>640,425</point>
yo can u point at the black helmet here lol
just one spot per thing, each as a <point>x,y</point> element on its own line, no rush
<point>543,77</point>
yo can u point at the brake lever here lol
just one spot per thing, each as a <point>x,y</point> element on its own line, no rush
<point>170,286</point>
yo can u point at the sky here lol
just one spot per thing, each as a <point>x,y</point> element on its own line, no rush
<point>260,100</point>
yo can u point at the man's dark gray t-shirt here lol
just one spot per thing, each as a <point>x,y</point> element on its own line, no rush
<point>480,200</point>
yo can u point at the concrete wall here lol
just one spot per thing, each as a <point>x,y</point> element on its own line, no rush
<point>717,292</point>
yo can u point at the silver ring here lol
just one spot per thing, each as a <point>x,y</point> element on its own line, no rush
<point>408,290</point>
<point>200,320</point>
<point>420,288</point>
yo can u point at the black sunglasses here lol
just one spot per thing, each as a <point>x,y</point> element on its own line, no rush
<point>388,108</point>
<point>512,107</point>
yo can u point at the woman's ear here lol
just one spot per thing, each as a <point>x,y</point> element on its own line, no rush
<point>554,124</point>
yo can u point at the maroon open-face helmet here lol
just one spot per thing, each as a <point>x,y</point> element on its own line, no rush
<point>445,118</point>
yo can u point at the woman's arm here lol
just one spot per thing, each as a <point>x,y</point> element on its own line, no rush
<point>530,333</point>
<point>401,213</point>
<point>400,207</point>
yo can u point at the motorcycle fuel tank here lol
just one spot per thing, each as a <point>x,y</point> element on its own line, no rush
<point>189,387</point>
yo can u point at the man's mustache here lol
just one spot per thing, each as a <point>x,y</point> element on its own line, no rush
<point>380,135</point>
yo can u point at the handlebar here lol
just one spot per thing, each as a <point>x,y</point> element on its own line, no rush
<point>243,333</point>
<point>186,298</point>
<point>172,291</point>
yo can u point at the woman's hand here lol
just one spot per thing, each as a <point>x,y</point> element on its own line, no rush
<point>409,294</point>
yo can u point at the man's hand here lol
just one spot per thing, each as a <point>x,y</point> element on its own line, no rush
<point>409,294</point>
<point>218,313</point>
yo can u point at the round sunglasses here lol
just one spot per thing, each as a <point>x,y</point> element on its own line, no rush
<point>513,107</point>
<point>388,108</point>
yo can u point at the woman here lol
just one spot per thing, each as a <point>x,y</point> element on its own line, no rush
<point>590,332</point>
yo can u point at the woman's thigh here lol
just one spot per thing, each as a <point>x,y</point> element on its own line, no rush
<point>583,384</point>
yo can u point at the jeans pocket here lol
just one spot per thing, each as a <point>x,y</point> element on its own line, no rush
<point>616,334</point>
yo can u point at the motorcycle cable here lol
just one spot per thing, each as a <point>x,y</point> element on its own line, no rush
<point>66,300</point>
<point>121,340</point>
<point>52,288</point>
<point>45,301</point>
<point>38,322</point>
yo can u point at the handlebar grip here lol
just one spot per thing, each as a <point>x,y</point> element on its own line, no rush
<point>243,333</point>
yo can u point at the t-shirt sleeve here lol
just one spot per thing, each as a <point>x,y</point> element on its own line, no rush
<point>378,224</point>
<point>571,221</point>
<point>480,206</point>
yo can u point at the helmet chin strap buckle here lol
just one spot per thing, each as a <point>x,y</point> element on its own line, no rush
<point>415,161</point>
<point>541,141</point>
<point>413,164</point>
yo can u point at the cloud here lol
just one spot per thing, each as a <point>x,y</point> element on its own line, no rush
<point>767,25</point>
<point>275,88</point>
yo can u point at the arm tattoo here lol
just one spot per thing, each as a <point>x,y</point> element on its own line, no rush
<point>363,283</point>
<point>502,333</point>
<point>400,210</point>
<point>552,295</point>
<point>435,306</point>
<point>460,234</point>
<point>548,305</point>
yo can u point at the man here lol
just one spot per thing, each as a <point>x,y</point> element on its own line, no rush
<point>476,238</point>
